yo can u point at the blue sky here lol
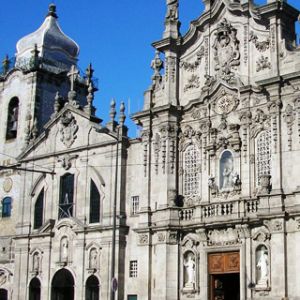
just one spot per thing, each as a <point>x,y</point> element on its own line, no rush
<point>115,35</point>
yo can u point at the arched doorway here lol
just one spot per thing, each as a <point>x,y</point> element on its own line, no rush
<point>62,286</point>
<point>92,288</point>
<point>35,289</point>
<point>3,294</point>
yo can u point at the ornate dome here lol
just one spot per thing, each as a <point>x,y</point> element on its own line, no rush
<point>51,42</point>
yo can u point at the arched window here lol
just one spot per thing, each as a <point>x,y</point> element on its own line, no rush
<point>191,178</point>
<point>263,155</point>
<point>12,118</point>
<point>3,294</point>
<point>35,289</point>
<point>66,198</point>
<point>94,203</point>
<point>39,210</point>
<point>6,207</point>
<point>92,288</point>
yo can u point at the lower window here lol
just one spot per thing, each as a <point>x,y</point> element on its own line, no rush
<point>132,297</point>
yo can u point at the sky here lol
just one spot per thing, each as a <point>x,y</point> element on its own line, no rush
<point>114,35</point>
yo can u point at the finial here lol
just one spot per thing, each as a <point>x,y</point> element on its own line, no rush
<point>52,11</point>
<point>112,112</point>
<point>34,61</point>
<point>34,129</point>
<point>90,99</point>
<point>89,72</point>
<point>5,65</point>
<point>157,64</point>
<point>57,102</point>
<point>172,23</point>
<point>122,116</point>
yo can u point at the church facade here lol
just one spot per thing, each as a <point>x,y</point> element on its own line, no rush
<point>205,204</point>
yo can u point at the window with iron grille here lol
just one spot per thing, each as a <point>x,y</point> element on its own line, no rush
<point>66,196</point>
<point>191,177</point>
<point>263,155</point>
<point>94,203</point>
<point>133,268</point>
<point>135,205</point>
<point>39,210</point>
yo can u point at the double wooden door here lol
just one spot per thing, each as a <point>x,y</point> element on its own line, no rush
<point>224,272</point>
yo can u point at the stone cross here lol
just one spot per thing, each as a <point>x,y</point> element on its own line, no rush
<point>73,74</point>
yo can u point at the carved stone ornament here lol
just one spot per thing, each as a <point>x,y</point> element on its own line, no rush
<point>193,83</point>
<point>191,67</point>
<point>263,63</point>
<point>225,104</point>
<point>7,185</point>
<point>68,129</point>
<point>225,237</point>
<point>226,51</point>
<point>66,161</point>
<point>262,235</point>
<point>3,277</point>
<point>260,46</point>
<point>161,237</point>
<point>143,239</point>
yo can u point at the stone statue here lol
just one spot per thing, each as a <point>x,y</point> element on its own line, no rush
<point>93,259</point>
<point>64,249</point>
<point>36,262</point>
<point>228,173</point>
<point>189,266</point>
<point>262,266</point>
<point>172,12</point>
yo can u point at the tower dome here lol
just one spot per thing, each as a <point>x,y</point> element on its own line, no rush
<point>53,45</point>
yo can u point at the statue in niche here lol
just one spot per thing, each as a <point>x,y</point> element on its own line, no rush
<point>227,175</point>
<point>93,261</point>
<point>36,262</point>
<point>64,249</point>
<point>189,268</point>
<point>262,266</point>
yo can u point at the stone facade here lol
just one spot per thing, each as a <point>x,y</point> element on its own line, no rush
<point>207,195</point>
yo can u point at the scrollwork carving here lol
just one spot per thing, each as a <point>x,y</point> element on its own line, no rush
<point>226,50</point>
<point>68,129</point>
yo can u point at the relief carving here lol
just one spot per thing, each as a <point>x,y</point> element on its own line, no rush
<point>193,83</point>
<point>260,46</point>
<point>263,63</point>
<point>223,237</point>
<point>225,104</point>
<point>191,67</point>
<point>68,129</point>
<point>226,51</point>
<point>289,117</point>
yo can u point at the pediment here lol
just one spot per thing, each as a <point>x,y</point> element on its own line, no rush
<point>68,130</point>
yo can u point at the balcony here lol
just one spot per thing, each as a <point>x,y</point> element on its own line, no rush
<point>219,212</point>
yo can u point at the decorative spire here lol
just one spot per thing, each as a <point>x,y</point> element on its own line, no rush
<point>90,98</point>
<point>5,65</point>
<point>34,129</point>
<point>34,61</point>
<point>122,116</point>
<point>172,23</point>
<point>89,72</point>
<point>112,112</point>
<point>52,11</point>
<point>57,103</point>
<point>156,64</point>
